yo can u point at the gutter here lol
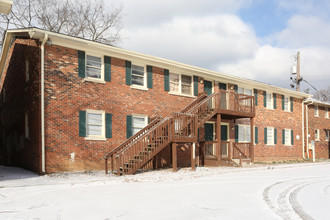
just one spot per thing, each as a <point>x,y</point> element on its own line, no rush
<point>42,63</point>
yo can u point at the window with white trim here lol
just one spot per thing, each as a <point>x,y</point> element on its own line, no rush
<point>317,134</point>
<point>270,136</point>
<point>286,104</point>
<point>181,84</point>
<point>244,133</point>
<point>95,123</point>
<point>27,70</point>
<point>287,137</point>
<point>94,67</point>
<point>326,113</point>
<point>327,135</point>
<point>138,75</point>
<point>138,123</point>
<point>269,100</point>
<point>316,111</point>
<point>244,91</point>
<point>26,122</point>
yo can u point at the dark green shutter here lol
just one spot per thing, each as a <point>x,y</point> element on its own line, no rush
<point>265,99</point>
<point>108,125</point>
<point>255,91</point>
<point>166,80</point>
<point>129,124</point>
<point>275,136</point>
<point>82,124</point>
<point>148,120</point>
<point>128,66</point>
<point>235,88</point>
<point>283,102</point>
<point>223,86</point>
<point>291,102</point>
<point>81,64</point>
<point>274,97</point>
<point>149,77</point>
<point>107,68</point>
<point>283,136</point>
<point>236,133</point>
<point>291,137</point>
<point>256,135</point>
<point>265,135</point>
<point>195,85</point>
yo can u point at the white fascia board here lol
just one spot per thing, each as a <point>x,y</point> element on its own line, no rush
<point>177,67</point>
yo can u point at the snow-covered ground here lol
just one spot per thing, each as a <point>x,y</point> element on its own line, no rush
<point>290,191</point>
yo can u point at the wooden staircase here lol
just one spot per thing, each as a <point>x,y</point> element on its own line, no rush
<point>182,127</point>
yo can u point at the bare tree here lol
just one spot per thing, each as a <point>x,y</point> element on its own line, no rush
<point>79,18</point>
<point>323,94</point>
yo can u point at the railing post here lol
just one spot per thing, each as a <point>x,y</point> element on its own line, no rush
<point>106,166</point>
<point>118,166</point>
<point>252,140</point>
<point>174,157</point>
<point>240,159</point>
<point>112,165</point>
<point>218,130</point>
<point>193,162</point>
<point>229,151</point>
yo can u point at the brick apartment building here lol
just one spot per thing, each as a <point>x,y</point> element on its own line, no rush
<point>317,122</point>
<point>69,103</point>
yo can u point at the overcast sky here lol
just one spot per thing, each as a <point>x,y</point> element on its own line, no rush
<point>255,39</point>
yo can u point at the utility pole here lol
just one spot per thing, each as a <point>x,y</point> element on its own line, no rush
<point>298,72</point>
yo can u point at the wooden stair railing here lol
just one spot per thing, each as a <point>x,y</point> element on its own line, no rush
<point>200,97</point>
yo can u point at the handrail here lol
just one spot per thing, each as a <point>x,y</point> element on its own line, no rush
<point>203,102</point>
<point>197,100</point>
<point>150,125</point>
<point>146,133</point>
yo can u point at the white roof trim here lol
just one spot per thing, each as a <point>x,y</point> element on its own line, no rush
<point>83,44</point>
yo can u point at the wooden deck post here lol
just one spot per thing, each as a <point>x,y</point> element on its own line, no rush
<point>174,157</point>
<point>252,140</point>
<point>193,157</point>
<point>218,130</point>
<point>106,165</point>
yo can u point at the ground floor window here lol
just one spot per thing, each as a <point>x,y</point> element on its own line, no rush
<point>317,134</point>
<point>269,136</point>
<point>244,133</point>
<point>287,137</point>
<point>327,135</point>
<point>95,123</point>
<point>138,123</point>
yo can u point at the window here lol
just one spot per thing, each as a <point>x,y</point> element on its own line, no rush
<point>244,91</point>
<point>95,123</point>
<point>138,75</point>
<point>270,136</point>
<point>286,104</point>
<point>287,137</point>
<point>317,134</point>
<point>326,113</point>
<point>27,70</point>
<point>26,121</point>
<point>94,67</point>
<point>180,84</point>
<point>244,133</point>
<point>316,111</point>
<point>138,122</point>
<point>327,135</point>
<point>269,101</point>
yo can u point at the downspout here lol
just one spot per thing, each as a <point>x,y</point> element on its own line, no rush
<point>43,166</point>
<point>303,128</point>
<point>307,127</point>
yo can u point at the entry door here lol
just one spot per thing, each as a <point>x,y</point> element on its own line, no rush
<point>224,137</point>
<point>208,90</point>
<point>208,87</point>
<point>209,136</point>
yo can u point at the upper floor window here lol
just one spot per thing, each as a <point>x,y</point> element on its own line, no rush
<point>269,100</point>
<point>94,67</point>
<point>244,91</point>
<point>316,111</point>
<point>181,84</point>
<point>286,104</point>
<point>138,75</point>
<point>326,113</point>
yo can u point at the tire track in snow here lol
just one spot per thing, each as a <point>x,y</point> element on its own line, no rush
<point>286,204</point>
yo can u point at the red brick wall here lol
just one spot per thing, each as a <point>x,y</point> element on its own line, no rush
<point>67,94</point>
<point>322,123</point>
<point>21,97</point>
<point>280,120</point>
